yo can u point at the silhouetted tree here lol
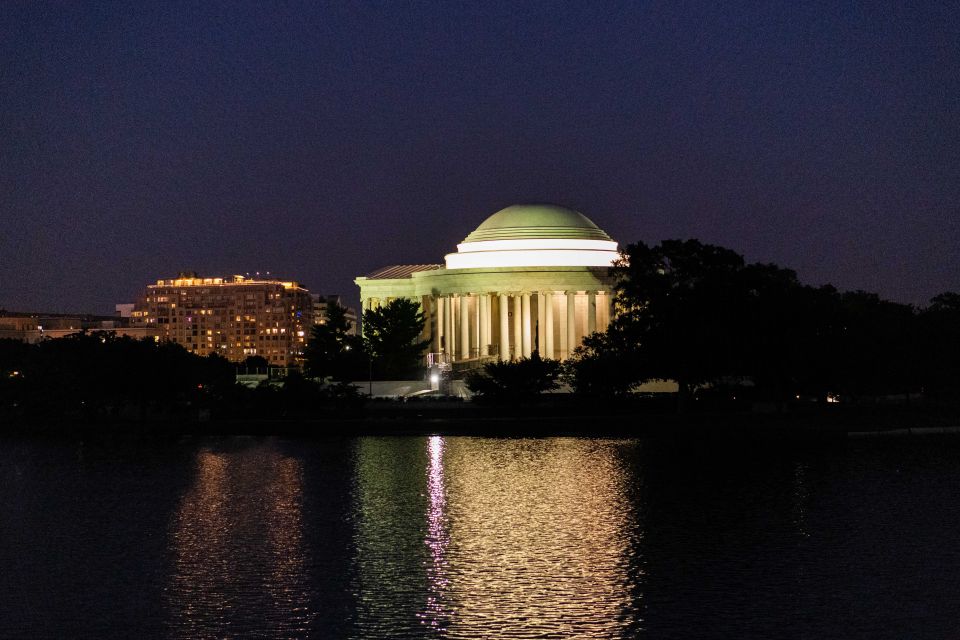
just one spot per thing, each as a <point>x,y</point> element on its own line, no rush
<point>99,374</point>
<point>876,347</point>
<point>605,364</point>
<point>519,380</point>
<point>333,351</point>
<point>679,304</point>
<point>392,334</point>
<point>939,347</point>
<point>697,314</point>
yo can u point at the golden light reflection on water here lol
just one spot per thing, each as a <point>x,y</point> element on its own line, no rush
<point>540,539</point>
<point>237,547</point>
<point>518,538</point>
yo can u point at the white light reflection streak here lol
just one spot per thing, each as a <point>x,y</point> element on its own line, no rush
<point>437,613</point>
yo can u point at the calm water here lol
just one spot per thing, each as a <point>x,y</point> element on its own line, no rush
<point>416,537</point>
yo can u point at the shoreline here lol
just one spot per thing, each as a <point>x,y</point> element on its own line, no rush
<point>860,424</point>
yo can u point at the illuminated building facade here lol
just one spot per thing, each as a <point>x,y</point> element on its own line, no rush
<point>234,317</point>
<point>530,277</point>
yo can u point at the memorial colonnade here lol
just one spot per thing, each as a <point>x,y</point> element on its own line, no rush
<point>482,321</point>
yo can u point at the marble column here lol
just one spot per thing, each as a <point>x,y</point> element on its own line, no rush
<point>517,328</point>
<point>447,325</point>
<point>504,327</point>
<point>464,327</point>
<point>489,323</point>
<point>484,323</point>
<point>474,324</point>
<point>591,312</point>
<point>477,324</point>
<point>435,325</point>
<point>525,310</point>
<point>547,330</point>
<point>571,322</point>
<point>539,325</point>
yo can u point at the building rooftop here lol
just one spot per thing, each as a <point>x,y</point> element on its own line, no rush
<point>400,271</point>
<point>192,280</point>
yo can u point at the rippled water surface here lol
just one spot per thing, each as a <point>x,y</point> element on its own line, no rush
<point>437,537</point>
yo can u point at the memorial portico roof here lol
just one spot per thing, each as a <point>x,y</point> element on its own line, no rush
<point>400,271</point>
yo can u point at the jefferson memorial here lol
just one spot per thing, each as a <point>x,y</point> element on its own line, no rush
<point>530,277</point>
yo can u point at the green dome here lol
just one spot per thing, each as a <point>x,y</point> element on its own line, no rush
<point>537,221</point>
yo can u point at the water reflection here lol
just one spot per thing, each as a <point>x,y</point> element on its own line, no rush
<point>542,537</point>
<point>526,538</point>
<point>390,559</point>
<point>437,613</point>
<point>472,538</point>
<point>237,550</point>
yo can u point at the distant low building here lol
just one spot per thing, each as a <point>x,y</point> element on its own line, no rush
<point>32,327</point>
<point>234,317</point>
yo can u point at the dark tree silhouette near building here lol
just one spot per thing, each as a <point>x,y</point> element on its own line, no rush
<point>393,334</point>
<point>699,315</point>
<point>523,379</point>
<point>333,351</point>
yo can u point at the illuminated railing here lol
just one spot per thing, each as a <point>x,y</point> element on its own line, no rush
<point>441,361</point>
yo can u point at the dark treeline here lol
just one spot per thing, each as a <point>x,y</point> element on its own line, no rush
<point>100,376</point>
<point>724,329</point>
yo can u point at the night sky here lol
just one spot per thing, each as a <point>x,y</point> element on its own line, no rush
<point>320,141</point>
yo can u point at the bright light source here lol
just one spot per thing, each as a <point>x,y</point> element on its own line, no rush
<point>434,378</point>
<point>533,253</point>
<point>536,244</point>
<point>532,258</point>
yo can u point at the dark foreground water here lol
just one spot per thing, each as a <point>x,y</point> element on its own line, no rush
<point>436,537</point>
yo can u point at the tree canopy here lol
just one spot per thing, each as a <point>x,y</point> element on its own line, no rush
<point>392,335</point>
<point>522,379</point>
<point>99,374</point>
<point>333,351</point>
<point>700,315</point>
<point>676,309</point>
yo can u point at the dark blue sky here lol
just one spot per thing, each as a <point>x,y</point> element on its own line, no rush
<point>320,141</point>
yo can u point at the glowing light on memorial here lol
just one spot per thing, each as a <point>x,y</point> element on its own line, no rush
<point>533,253</point>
